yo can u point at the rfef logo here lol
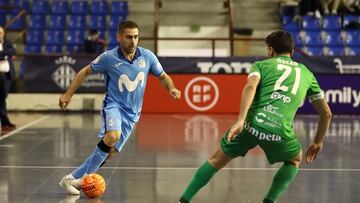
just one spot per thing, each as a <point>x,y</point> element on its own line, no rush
<point>201,93</point>
<point>64,74</point>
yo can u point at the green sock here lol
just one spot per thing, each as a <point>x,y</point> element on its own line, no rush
<point>200,179</point>
<point>282,180</point>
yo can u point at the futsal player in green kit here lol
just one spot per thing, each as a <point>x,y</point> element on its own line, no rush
<point>275,89</point>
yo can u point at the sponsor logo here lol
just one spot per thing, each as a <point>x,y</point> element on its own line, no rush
<point>64,74</point>
<point>346,95</point>
<point>283,98</point>
<point>201,93</point>
<point>273,110</point>
<point>142,63</point>
<point>233,67</point>
<point>118,65</point>
<point>343,68</point>
<point>261,135</point>
<point>260,120</point>
<point>129,84</point>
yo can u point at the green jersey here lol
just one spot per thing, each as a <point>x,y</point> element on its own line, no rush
<point>283,86</point>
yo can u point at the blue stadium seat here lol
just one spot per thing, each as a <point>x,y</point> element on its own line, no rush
<point>335,51</point>
<point>74,49</point>
<point>5,3</point>
<point>54,48</point>
<point>297,38</point>
<point>348,19</point>
<point>99,7</point>
<point>313,38</point>
<point>75,37</point>
<point>57,22</point>
<point>77,22</point>
<point>112,38</point>
<point>35,37</point>
<point>80,7</point>
<point>97,22</point>
<point>60,7</point>
<point>37,21</point>
<point>311,23</point>
<point>40,7</point>
<point>315,51</point>
<point>55,37</point>
<point>2,20</point>
<point>18,24</point>
<point>32,49</point>
<point>331,23</point>
<point>352,38</point>
<point>354,51</point>
<point>115,20</point>
<point>333,39</point>
<point>24,4</point>
<point>119,8</point>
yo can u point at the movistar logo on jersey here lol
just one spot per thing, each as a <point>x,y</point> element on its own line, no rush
<point>129,84</point>
<point>283,98</point>
<point>261,135</point>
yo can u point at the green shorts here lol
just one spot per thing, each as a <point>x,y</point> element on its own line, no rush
<point>276,148</point>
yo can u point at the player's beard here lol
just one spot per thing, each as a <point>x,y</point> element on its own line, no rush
<point>130,49</point>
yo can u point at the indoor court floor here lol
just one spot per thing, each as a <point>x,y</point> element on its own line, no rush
<point>161,156</point>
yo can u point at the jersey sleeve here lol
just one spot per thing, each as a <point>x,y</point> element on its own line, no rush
<point>99,65</point>
<point>314,92</point>
<point>155,66</point>
<point>254,70</point>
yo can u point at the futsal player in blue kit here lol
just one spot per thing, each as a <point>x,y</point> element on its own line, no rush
<point>126,68</point>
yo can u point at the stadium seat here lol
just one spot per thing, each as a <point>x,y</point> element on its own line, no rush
<point>55,37</point>
<point>313,38</point>
<point>77,22</point>
<point>97,22</point>
<point>60,7</point>
<point>57,22</point>
<point>5,3</point>
<point>18,24</point>
<point>352,38</point>
<point>40,7</point>
<point>24,4</point>
<point>348,19</point>
<point>54,48</point>
<point>112,38</point>
<point>74,49</point>
<point>335,51</point>
<point>315,51</point>
<point>32,49</point>
<point>80,7</point>
<point>354,51</point>
<point>311,23</point>
<point>99,7</point>
<point>75,37</point>
<point>37,21</point>
<point>2,20</point>
<point>331,23</point>
<point>333,39</point>
<point>297,38</point>
<point>35,37</point>
<point>114,21</point>
<point>119,8</point>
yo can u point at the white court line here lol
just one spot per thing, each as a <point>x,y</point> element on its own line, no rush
<point>181,168</point>
<point>23,127</point>
<point>7,145</point>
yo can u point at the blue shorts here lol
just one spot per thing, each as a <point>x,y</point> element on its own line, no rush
<point>113,120</point>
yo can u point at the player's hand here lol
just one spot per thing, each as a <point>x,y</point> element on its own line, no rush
<point>312,152</point>
<point>175,93</point>
<point>235,130</point>
<point>64,100</point>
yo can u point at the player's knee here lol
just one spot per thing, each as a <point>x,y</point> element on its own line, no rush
<point>219,159</point>
<point>296,161</point>
<point>111,137</point>
<point>111,153</point>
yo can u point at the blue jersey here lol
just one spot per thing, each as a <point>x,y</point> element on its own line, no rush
<point>125,80</point>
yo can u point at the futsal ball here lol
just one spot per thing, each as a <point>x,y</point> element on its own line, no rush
<point>93,185</point>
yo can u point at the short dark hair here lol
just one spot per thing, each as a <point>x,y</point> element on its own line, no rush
<point>93,31</point>
<point>127,24</point>
<point>281,41</point>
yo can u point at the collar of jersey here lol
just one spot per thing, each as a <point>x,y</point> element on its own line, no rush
<point>121,55</point>
<point>283,56</point>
